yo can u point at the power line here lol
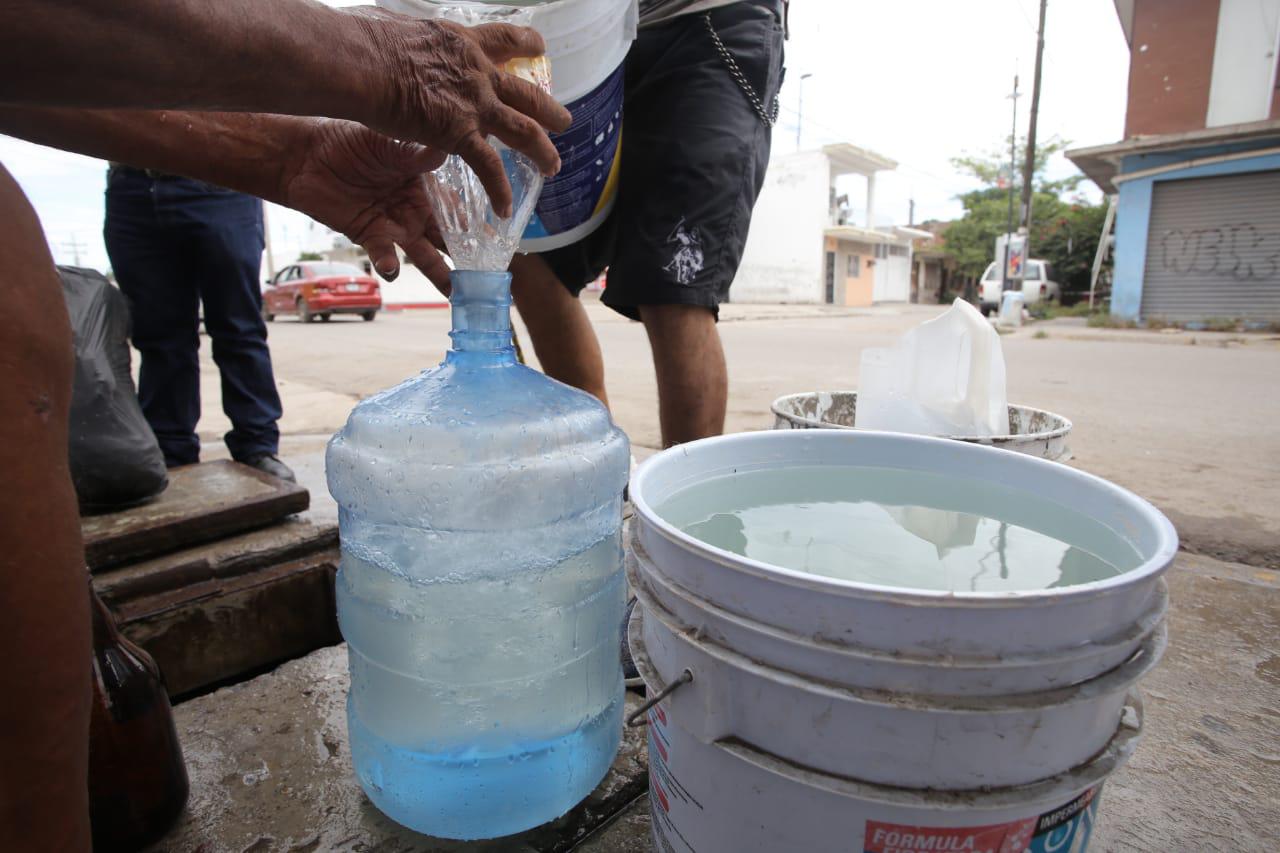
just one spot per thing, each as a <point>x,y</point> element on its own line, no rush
<point>1025,16</point>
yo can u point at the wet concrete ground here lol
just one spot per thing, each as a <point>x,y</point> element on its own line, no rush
<point>1187,420</point>
<point>270,764</point>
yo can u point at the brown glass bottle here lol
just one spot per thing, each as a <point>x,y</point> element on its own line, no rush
<point>137,779</point>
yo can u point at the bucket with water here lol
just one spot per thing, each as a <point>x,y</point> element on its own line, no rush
<point>952,661</point>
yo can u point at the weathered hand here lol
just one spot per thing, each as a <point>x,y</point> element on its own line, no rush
<point>445,90</point>
<point>370,188</point>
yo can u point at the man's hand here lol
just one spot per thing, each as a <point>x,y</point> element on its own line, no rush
<point>370,188</point>
<point>448,93</point>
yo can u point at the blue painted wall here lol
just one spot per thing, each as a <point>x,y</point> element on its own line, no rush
<point>1133,211</point>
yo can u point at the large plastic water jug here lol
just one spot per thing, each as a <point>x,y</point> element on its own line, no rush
<point>945,377</point>
<point>481,591</point>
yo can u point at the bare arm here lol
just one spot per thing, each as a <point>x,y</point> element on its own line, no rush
<point>44,637</point>
<point>232,54</point>
<point>358,182</point>
<point>240,151</point>
<point>430,82</point>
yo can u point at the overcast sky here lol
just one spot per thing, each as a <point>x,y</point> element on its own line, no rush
<point>919,81</point>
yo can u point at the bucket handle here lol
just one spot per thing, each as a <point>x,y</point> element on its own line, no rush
<point>637,717</point>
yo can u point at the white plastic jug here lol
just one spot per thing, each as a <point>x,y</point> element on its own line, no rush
<point>946,377</point>
<point>1011,305</point>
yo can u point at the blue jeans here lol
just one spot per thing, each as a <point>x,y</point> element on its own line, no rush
<point>174,243</point>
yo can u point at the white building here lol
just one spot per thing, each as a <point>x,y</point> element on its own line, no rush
<point>411,289</point>
<point>804,246</point>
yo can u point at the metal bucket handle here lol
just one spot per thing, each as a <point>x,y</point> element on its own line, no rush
<point>637,717</point>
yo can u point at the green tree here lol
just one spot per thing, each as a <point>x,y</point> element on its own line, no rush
<point>1069,242</point>
<point>972,238</point>
<point>992,168</point>
<point>310,256</point>
<point>1065,233</point>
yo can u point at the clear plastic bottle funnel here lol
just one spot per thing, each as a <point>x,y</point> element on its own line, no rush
<point>481,591</point>
<point>477,238</point>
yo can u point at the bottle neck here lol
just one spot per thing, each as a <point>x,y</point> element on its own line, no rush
<point>481,303</point>
<point>105,632</point>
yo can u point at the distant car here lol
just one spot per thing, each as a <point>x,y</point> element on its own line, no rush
<point>1036,287</point>
<point>321,289</point>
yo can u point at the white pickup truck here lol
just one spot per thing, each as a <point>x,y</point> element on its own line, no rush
<point>1038,285</point>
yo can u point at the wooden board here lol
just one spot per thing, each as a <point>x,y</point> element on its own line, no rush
<point>204,502</point>
<point>222,611</point>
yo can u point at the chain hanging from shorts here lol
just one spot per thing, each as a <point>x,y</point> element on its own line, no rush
<point>770,116</point>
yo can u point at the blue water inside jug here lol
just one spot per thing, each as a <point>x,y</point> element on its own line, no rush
<point>480,590</point>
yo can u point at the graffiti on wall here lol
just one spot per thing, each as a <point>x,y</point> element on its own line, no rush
<point>1242,251</point>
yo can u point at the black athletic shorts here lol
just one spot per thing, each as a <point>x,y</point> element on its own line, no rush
<point>694,152</point>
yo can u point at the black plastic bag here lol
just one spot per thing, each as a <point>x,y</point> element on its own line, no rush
<point>115,459</point>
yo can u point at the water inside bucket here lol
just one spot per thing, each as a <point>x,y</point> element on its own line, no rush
<point>900,528</point>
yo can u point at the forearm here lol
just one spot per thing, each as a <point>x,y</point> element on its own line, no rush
<point>285,56</point>
<point>241,151</point>
<point>44,636</point>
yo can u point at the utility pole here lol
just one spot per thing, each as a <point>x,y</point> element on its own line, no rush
<point>74,246</point>
<point>1013,169</point>
<point>911,211</point>
<point>1028,169</point>
<point>800,109</point>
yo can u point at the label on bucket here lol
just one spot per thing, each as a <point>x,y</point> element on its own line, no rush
<point>664,789</point>
<point>576,201</point>
<point>1065,829</point>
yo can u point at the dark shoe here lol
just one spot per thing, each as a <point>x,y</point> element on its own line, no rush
<point>269,463</point>
<point>630,675</point>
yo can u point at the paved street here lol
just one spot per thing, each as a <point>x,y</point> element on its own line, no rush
<point>1188,420</point>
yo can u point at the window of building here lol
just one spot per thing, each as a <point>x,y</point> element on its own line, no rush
<point>855,266</point>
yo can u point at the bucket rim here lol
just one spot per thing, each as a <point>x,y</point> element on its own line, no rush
<point>1064,423</point>
<point>1161,558</point>
<point>1124,676</point>
<point>642,575</point>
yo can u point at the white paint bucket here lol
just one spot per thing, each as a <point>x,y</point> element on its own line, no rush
<point>587,41</point>
<point>731,797</point>
<point>816,656</point>
<point>905,621</point>
<point>1036,432</point>
<point>899,687</point>
<point>914,740</point>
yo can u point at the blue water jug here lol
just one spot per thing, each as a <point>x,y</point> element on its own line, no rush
<point>481,590</point>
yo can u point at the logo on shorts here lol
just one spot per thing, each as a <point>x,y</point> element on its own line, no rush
<point>687,260</point>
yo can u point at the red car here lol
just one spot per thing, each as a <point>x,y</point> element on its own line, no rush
<point>321,289</point>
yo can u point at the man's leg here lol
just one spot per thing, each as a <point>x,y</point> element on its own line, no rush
<point>693,381</point>
<point>44,636</point>
<point>226,231</point>
<point>152,272</point>
<point>563,338</point>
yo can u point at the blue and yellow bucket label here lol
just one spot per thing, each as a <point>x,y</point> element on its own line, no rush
<point>577,200</point>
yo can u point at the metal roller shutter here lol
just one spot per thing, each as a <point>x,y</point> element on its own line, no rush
<point>1213,249</point>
